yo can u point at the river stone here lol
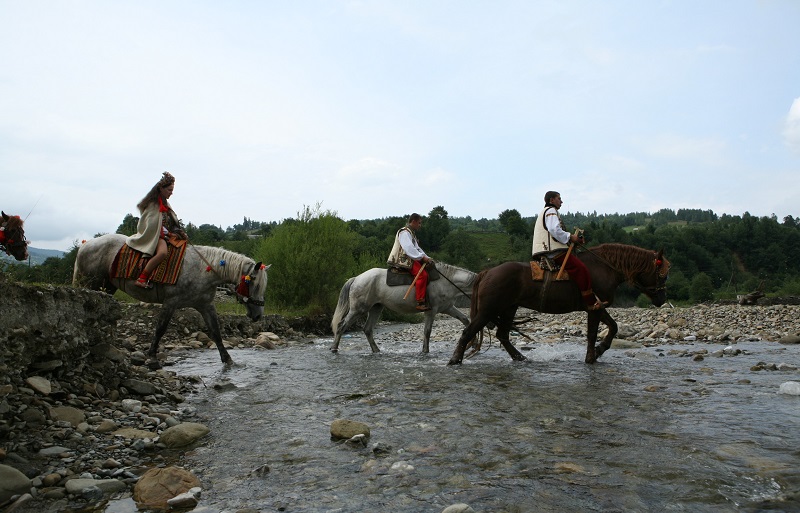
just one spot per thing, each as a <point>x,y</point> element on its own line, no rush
<point>159,485</point>
<point>458,508</point>
<point>183,434</point>
<point>40,384</point>
<point>106,426</point>
<point>68,413</point>
<point>141,387</point>
<point>12,482</point>
<point>133,433</point>
<point>346,429</point>
<point>790,339</point>
<point>77,486</point>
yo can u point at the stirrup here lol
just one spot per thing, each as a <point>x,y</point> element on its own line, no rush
<point>145,284</point>
<point>598,305</point>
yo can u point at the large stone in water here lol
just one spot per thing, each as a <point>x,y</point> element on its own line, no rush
<point>183,434</point>
<point>159,485</point>
<point>346,429</point>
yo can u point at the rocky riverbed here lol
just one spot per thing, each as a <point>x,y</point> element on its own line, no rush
<point>99,421</point>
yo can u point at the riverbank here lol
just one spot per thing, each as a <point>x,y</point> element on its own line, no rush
<point>66,420</point>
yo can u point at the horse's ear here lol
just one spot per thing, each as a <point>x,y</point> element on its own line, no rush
<point>5,217</point>
<point>257,267</point>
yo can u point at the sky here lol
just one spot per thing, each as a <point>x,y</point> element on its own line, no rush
<point>371,109</point>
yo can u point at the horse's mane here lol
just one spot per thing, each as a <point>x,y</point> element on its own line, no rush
<point>234,262</point>
<point>450,270</point>
<point>629,260</point>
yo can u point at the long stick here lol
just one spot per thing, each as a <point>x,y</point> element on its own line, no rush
<point>563,262</point>
<point>415,279</point>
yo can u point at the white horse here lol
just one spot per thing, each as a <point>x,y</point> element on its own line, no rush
<point>369,293</point>
<point>203,269</point>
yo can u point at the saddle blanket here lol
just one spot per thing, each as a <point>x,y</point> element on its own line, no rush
<point>128,263</point>
<point>395,276</point>
<point>538,274</point>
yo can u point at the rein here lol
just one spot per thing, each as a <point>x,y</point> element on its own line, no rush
<point>451,283</point>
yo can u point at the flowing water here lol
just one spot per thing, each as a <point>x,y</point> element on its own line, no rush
<point>642,430</point>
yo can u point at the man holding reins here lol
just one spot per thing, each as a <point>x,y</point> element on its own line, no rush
<point>551,239</point>
<point>406,254</point>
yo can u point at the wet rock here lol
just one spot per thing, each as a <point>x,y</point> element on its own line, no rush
<point>12,482</point>
<point>183,434</point>
<point>790,388</point>
<point>458,508</point>
<point>68,414</point>
<point>79,485</point>
<point>159,485</point>
<point>186,500</point>
<point>346,429</point>
<point>40,384</point>
<point>790,339</point>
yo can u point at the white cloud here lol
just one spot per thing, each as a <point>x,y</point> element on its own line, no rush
<point>791,129</point>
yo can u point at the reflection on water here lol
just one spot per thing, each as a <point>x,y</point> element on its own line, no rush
<point>640,431</point>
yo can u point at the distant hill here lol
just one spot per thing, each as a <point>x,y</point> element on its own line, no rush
<point>36,256</point>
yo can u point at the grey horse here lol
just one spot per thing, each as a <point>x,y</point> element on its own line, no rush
<point>204,268</point>
<point>368,294</point>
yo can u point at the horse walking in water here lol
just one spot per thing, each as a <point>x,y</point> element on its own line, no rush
<point>12,237</point>
<point>368,293</point>
<point>203,270</point>
<point>499,291</point>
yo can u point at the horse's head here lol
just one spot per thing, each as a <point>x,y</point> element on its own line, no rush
<point>251,289</point>
<point>12,237</point>
<point>654,282</point>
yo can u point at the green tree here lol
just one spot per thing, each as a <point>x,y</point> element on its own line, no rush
<point>512,223</point>
<point>435,229</point>
<point>461,249</point>
<point>702,288</point>
<point>311,257</point>
<point>129,225</point>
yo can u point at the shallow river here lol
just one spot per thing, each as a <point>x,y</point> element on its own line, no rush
<point>642,430</point>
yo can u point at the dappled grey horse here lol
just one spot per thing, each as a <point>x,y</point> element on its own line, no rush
<point>368,294</point>
<point>204,268</point>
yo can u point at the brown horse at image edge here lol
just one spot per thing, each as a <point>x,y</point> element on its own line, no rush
<point>498,292</point>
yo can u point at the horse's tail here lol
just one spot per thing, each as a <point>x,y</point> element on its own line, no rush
<point>342,307</point>
<point>473,304</point>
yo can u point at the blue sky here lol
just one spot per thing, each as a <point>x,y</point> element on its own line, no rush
<point>379,108</point>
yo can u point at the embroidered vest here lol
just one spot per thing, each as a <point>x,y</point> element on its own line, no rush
<point>543,242</point>
<point>398,257</point>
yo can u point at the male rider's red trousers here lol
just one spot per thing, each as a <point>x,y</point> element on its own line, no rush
<point>579,274</point>
<point>422,281</point>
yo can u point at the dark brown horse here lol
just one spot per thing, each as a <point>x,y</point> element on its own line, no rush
<point>12,237</point>
<point>499,291</point>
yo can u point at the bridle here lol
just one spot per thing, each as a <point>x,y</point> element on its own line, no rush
<point>11,239</point>
<point>243,289</point>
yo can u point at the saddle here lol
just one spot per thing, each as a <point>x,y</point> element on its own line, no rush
<point>129,263</point>
<point>546,267</point>
<point>396,276</point>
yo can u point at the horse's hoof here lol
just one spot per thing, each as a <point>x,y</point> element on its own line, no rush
<point>153,364</point>
<point>454,362</point>
<point>334,350</point>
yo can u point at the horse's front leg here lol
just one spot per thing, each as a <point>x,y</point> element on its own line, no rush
<point>209,314</point>
<point>162,322</point>
<point>426,332</point>
<point>606,319</point>
<point>593,324</point>
<point>373,317</point>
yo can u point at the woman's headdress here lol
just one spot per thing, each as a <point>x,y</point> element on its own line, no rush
<point>166,180</point>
